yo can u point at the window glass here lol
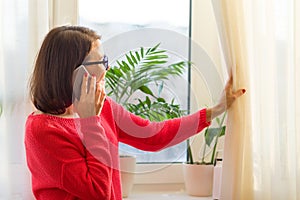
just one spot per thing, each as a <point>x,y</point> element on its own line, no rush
<point>116,16</point>
<point>131,24</point>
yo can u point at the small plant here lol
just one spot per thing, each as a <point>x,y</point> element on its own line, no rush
<point>142,74</point>
<point>211,134</point>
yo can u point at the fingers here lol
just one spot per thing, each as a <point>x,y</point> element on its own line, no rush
<point>239,93</point>
<point>84,84</point>
<point>92,86</point>
<point>98,93</point>
<point>100,97</point>
<point>100,104</point>
<point>229,83</point>
<point>228,88</point>
<point>103,95</point>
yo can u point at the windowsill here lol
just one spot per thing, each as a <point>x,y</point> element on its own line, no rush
<point>161,192</point>
<point>165,195</point>
<point>159,182</point>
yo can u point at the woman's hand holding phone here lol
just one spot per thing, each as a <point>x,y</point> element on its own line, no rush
<point>91,98</point>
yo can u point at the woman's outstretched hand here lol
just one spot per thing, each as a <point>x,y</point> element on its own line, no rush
<point>227,99</point>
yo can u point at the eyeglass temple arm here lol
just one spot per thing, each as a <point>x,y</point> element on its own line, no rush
<point>94,63</point>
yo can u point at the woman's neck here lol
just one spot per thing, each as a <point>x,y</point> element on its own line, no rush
<point>69,113</point>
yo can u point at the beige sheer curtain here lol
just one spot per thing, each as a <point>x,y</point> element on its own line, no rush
<point>23,24</point>
<point>237,179</point>
<point>260,41</point>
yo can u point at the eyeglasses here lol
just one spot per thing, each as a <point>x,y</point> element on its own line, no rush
<point>104,61</point>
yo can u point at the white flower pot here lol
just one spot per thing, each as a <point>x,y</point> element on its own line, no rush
<point>217,181</point>
<point>198,179</point>
<point>127,169</point>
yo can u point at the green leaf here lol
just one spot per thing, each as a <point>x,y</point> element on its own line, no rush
<point>223,131</point>
<point>154,48</point>
<point>120,64</point>
<point>125,68</point>
<point>148,102</point>
<point>146,90</point>
<point>161,100</point>
<point>142,52</point>
<point>157,52</point>
<point>211,133</point>
<point>133,58</point>
<point>218,120</point>
<point>137,56</point>
<point>129,60</point>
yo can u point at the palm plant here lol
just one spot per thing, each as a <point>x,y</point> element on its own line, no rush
<point>136,73</point>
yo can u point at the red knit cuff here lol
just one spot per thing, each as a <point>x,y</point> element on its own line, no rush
<point>203,120</point>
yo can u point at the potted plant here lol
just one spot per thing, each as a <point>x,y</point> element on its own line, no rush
<point>137,81</point>
<point>199,175</point>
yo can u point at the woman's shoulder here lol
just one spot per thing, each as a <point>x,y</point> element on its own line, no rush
<point>41,122</point>
<point>44,128</point>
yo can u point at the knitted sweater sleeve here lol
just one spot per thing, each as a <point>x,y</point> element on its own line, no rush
<point>83,172</point>
<point>154,136</point>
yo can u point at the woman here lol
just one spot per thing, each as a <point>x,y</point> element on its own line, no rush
<point>72,138</point>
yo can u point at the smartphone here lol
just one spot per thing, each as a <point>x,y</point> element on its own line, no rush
<point>77,81</point>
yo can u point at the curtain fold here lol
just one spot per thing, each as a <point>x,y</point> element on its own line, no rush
<point>237,179</point>
<point>261,156</point>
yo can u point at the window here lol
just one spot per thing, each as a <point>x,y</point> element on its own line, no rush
<point>130,24</point>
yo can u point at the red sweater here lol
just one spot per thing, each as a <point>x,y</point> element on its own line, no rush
<point>78,158</point>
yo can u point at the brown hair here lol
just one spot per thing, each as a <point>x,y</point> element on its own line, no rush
<point>63,50</point>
